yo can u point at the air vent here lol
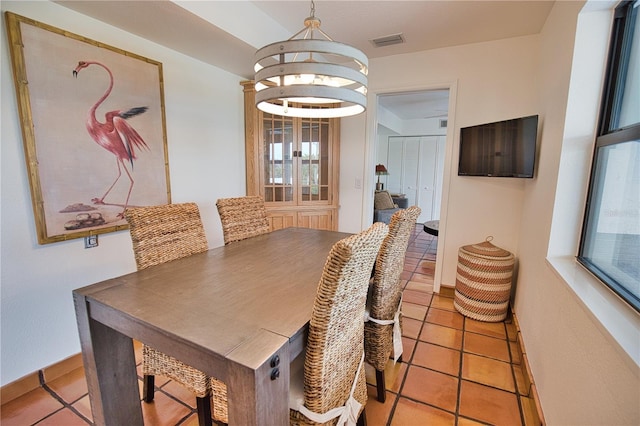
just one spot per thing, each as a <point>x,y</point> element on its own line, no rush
<point>388,40</point>
<point>443,123</point>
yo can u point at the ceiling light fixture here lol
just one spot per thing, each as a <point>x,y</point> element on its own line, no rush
<point>329,77</point>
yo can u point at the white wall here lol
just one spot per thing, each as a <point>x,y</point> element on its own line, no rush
<point>584,375</point>
<point>495,81</point>
<point>204,113</point>
<point>420,127</point>
<point>582,342</point>
<point>423,126</point>
<point>353,163</point>
<point>586,370</point>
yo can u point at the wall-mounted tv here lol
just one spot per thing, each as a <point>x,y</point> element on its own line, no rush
<point>501,149</point>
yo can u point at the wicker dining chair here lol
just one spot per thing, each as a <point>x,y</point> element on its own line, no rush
<point>160,234</point>
<point>383,327</point>
<point>328,380</point>
<point>242,217</point>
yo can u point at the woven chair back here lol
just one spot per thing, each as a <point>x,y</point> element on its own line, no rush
<point>336,330</point>
<point>167,232</point>
<point>242,217</point>
<point>386,290</point>
<point>390,263</point>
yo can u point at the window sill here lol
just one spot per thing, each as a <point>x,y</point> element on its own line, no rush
<point>616,318</point>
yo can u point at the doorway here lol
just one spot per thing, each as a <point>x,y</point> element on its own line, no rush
<point>412,134</point>
<point>420,119</point>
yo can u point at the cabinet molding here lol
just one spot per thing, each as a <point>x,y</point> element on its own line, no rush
<point>296,170</point>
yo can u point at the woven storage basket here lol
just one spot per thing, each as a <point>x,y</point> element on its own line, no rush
<point>483,281</point>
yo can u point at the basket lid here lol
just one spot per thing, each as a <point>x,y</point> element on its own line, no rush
<point>485,248</point>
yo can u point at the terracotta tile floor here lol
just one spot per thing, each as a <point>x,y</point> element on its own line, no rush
<point>455,371</point>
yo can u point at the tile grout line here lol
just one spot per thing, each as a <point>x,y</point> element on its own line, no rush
<point>170,396</point>
<point>459,396</point>
<point>513,374</point>
<point>398,395</point>
<point>460,378</point>
<point>408,362</point>
<point>415,346</point>
<point>61,400</point>
<point>425,247</point>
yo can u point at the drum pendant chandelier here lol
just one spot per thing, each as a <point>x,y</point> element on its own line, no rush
<point>311,71</point>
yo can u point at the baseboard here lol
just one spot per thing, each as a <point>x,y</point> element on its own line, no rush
<point>32,381</point>
<point>22,386</point>
<point>447,291</point>
<point>529,395</point>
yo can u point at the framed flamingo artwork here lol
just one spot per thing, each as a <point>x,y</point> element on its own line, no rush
<point>93,129</point>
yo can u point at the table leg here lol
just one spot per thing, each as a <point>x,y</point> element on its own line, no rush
<point>258,391</point>
<point>110,368</point>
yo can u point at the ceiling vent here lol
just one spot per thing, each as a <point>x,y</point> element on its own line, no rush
<point>388,40</point>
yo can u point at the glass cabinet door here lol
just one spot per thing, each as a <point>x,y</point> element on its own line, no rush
<point>293,163</point>
<point>314,160</point>
<point>278,137</point>
<point>296,159</point>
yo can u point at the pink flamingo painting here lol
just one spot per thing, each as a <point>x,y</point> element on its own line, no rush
<point>115,134</point>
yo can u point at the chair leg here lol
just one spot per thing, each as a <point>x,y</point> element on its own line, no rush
<point>362,419</point>
<point>204,410</point>
<point>382,394</point>
<point>148,388</point>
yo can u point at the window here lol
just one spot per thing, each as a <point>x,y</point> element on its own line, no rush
<point>610,243</point>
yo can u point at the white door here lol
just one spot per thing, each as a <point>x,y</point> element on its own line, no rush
<point>416,165</point>
<point>437,199</point>
<point>427,177</point>
<point>395,158</point>
<point>410,165</point>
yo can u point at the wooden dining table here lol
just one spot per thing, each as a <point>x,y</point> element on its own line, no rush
<point>237,312</point>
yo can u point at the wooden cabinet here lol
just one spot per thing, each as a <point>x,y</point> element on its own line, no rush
<point>293,163</point>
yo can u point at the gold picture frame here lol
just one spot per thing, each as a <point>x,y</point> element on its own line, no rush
<point>93,129</point>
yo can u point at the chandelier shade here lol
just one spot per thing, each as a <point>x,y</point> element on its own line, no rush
<point>328,77</point>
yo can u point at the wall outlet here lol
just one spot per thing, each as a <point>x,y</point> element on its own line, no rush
<point>358,183</point>
<point>91,241</point>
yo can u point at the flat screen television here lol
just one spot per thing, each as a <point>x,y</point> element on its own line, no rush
<point>501,149</point>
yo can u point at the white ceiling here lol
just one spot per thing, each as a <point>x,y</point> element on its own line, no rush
<point>424,24</point>
<point>227,33</point>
